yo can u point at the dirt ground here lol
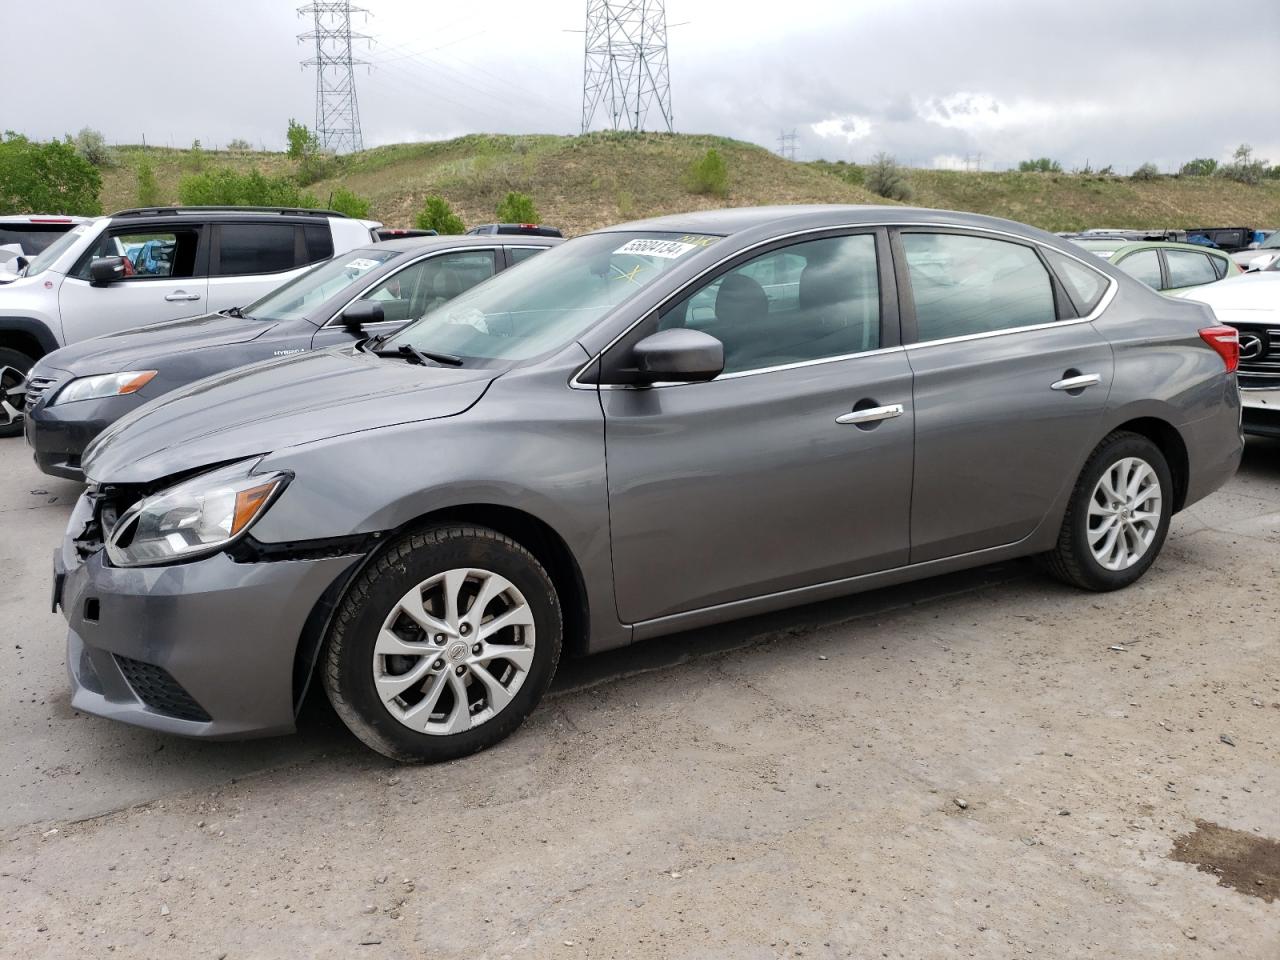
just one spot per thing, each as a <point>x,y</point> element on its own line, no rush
<point>984,765</point>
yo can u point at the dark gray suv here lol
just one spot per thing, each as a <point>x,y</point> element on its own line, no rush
<point>653,427</point>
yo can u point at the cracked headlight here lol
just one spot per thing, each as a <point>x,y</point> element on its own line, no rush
<point>197,517</point>
<point>103,385</point>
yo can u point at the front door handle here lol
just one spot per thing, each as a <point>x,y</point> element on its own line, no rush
<point>1077,382</point>
<point>872,414</point>
<point>181,295</point>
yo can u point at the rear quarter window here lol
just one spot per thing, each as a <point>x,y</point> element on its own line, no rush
<point>1085,286</point>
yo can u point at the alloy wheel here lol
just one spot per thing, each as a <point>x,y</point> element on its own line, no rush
<point>13,390</point>
<point>1124,513</point>
<point>453,651</point>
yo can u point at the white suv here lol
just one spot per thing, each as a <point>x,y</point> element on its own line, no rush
<point>144,266</point>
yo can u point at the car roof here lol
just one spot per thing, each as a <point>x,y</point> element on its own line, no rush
<point>734,220</point>
<point>225,212</point>
<point>1171,245</point>
<point>416,244</point>
<point>42,218</point>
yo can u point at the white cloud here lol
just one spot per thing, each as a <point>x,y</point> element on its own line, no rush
<point>851,128</point>
<point>982,112</point>
<point>947,161</point>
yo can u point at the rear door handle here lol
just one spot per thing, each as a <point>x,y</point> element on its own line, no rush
<point>872,414</point>
<point>180,295</point>
<point>1078,382</point>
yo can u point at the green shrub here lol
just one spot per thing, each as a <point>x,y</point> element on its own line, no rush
<point>1040,165</point>
<point>1199,167</point>
<point>437,215</point>
<point>1243,168</point>
<point>301,140</point>
<point>46,178</point>
<point>517,208</point>
<point>343,200</point>
<point>709,175</point>
<point>1148,171</point>
<point>92,146</point>
<point>148,189</point>
<point>885,178</point>
<point>239,146</point>
<point>228,188</point>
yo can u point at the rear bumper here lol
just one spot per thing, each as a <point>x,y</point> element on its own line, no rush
<point>204,649</point>
<point>1261,412</point>
<point>1215,446</point>
<point>58,435</point>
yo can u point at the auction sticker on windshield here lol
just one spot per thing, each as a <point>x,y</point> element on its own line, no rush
<point>666,249</point>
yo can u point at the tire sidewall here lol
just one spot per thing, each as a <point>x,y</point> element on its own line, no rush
<point>360,621</point>
<point>19,361</point>
<point>1125,447</point>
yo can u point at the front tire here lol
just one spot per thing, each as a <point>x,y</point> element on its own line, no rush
<point>14,367</point>
<point>1118,517</point>
<point>443,644</point>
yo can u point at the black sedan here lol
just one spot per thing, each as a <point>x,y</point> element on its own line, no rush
<point>74,393</point>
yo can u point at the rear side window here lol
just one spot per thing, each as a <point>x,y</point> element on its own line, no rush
<point>964,285</point>
<point>1084,286</point>
<point>1188,268</point>
<point>1143,265</point>
<point>319,242</point>
<point>247,248</point>
<point>520,254</point>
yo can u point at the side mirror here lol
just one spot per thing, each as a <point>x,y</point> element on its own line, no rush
<point>105,270</point>
<point>360,313</point>
<point>685,356</point>
<point>1258,263</point>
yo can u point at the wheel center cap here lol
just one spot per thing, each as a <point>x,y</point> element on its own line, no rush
<point>457,651</point>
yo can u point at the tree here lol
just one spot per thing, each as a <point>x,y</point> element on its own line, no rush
<point>239,145</point>
<point>221,188</point>
<point>1040,165</point>
<point>91,145</point>
<point>302,142</point>
<point>517,208</point>
<point>1148,171</point>
<point>148,189</point>
<point>46,178</point>
<point>885,178</point>
<point>343,200</point>
<point>1199,167</point>
<point>709,175</point>
<point>437,215</point>
<point>1243,168</point>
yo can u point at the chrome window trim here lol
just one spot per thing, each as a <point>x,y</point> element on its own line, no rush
<point>335,321</point>
<point>1103,302</point>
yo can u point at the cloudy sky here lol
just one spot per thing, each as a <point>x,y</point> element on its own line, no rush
<point>929,81</point>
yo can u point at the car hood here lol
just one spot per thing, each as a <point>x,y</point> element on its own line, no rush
<point>1253,291</point>
<point>139,347</point>
<point>276,404</point>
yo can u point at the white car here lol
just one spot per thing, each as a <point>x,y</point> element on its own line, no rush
<point>23,236</point>
<point>139,267</point>
<point>1251,304</point>
<point>1262,256</point>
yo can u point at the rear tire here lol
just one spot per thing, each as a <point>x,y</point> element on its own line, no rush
<point>1118,516</point>
<point>443,644</point>
<point>14,367</point>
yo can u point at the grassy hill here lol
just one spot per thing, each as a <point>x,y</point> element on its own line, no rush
<point>580,183</point>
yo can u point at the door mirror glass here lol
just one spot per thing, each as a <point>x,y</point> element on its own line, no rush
<point>362,312</point>
<point>680,356</point>
<point>105,270</point>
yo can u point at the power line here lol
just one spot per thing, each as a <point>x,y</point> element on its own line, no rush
<point>337,111</point>
<point>787,145</point>
<point>625,64</point>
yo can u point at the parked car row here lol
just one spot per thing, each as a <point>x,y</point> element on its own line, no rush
<point>443,482</point>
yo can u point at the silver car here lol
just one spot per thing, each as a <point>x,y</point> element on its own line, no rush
<point>653,427</point>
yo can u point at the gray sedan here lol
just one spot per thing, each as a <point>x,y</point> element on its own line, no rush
<point>653,427</point>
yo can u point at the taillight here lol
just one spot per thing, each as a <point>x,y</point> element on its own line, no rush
<point>1226,342</point>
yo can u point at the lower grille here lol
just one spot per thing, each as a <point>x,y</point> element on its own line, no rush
<point>36,387</point>
<point>159,691</point>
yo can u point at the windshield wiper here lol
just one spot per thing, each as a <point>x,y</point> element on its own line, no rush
<point>420,357</point>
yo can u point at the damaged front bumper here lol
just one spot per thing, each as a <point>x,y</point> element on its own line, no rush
<point>1261,411</point>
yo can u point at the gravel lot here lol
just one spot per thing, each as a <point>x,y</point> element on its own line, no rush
<point>983,765</point>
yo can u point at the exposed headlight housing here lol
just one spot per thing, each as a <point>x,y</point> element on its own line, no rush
<point>103,385</point>
<point>195,518</point>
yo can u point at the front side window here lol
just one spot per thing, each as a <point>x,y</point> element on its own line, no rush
<point>147,254</point>
<point>551,299</point>
<point>1188,268</point>
<point>964,285</point>
<point>1143,265</point>
<point>248,248</point>
<point>422,287</point>
<point>809,301</point>
<point>304,293</point>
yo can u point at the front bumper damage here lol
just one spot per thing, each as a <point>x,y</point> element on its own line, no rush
<point>1261,411</point>
<point>203,649</point>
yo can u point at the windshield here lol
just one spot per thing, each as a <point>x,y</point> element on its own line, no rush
<point>51,253</point>
<point>550,299</point>
<point>304,293</point>
<point>1271,243</point>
